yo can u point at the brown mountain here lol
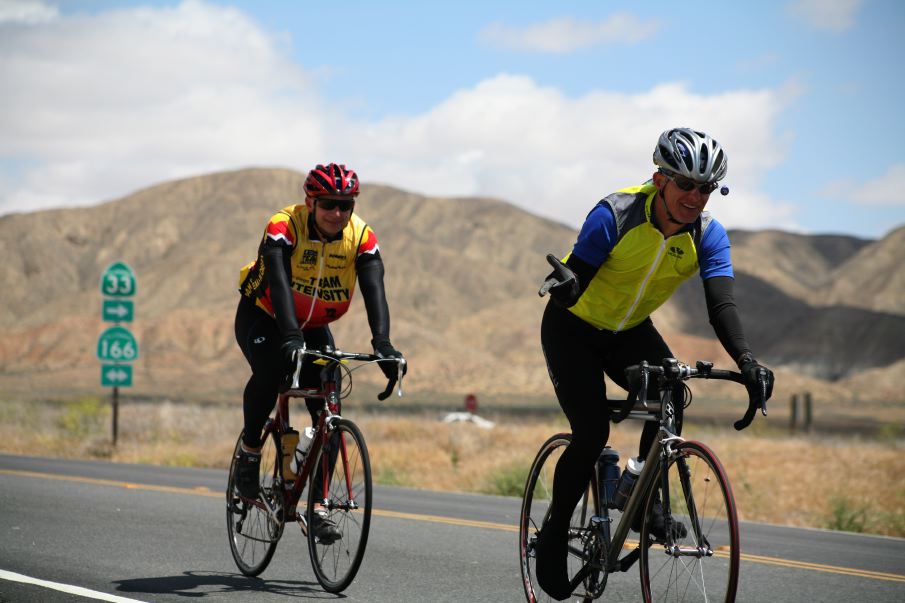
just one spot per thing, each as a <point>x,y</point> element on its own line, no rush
<point>462,276</point>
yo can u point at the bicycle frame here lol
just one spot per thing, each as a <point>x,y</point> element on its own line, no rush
<point>635,502</point>
<point>657,459</point>
<point>280,424</point>
<point>330,395</point>
<point>339,497</point>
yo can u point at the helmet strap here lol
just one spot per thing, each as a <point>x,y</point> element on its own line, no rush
<point>666,208</point>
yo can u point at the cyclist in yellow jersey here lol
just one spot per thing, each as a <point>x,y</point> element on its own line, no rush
<point>309,260</point>
<point>635,248</point>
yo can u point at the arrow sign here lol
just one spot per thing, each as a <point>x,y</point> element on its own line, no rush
<point>118,310</point>
<point>117,344</point>
<point>116,375</point>
<point>118,280</point>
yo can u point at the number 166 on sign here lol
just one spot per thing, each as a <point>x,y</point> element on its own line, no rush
<point>117,344</point>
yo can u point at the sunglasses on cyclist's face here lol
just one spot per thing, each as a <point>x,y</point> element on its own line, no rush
<point>688,185</point>
<point>344,205</point>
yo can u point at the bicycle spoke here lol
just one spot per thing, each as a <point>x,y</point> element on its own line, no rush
<point>253,531</point>
<point>535,511</point>
<point>700,499</point>
<point>347,495</point>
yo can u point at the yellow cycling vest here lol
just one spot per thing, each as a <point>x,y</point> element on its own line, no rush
<point>643,269</point>
<point>322,273</point>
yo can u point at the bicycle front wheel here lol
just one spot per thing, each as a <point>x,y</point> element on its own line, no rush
<point>253,530</point>
<point>536,508</point>
<point>698,559</point>
<point>341,486</point>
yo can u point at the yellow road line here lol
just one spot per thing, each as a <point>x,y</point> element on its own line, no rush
<point>487,525</point>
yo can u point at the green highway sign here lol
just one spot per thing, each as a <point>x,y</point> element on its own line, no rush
<point>118,280</point>
<point>118,310</point>
<point>118,345</point>
<point>116,375</point>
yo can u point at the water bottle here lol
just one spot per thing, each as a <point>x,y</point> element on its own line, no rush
<point>608,470</point>
<point>627,481</point>
<point>298,459</point>
<point>288,442</point>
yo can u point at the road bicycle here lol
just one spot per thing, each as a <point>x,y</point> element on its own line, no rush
<point>335,468</point>
<point>696,555</point>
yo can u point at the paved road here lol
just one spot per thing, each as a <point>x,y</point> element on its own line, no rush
<point>135,532</point>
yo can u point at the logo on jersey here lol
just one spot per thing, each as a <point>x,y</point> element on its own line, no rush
<point>309,257</point>
<point>676,252</point>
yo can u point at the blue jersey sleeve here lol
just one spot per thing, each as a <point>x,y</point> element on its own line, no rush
<point>714,253</point>
<point>598,236</point>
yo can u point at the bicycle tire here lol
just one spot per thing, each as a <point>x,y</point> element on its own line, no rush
<point>336,563</point>
<point>535,509</point>
<point>253,532</point>
<point>706,495</point>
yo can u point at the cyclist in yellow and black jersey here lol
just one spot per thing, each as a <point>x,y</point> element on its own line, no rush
<point>309,260</point>
<point>634,249</point>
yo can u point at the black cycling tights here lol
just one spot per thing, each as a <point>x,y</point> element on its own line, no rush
<point>259,338</point>
<point>577,355</point>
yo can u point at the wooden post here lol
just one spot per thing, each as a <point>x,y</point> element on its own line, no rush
<point>793,413</point>
<point>808,411</point>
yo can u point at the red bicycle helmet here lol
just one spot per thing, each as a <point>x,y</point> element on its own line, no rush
<point>331,180</point>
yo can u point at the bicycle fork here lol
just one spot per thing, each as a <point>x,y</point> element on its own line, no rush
<point>703,548</point>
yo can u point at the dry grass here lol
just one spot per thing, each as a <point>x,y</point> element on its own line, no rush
<point>838,483</point>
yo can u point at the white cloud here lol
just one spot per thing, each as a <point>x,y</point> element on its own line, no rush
<point>830,15</point>
<point>101,106</point>
<point>508,137</point>
<point>26,11</point>
<point>888,189</point>
<point>105,104</point>
<point>565,34</point>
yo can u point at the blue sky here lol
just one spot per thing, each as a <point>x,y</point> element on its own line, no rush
<point>547,105</point>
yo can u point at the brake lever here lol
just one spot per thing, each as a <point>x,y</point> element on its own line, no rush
<point>296,374</point>
<point>392,382</point>
<point>762,380</point>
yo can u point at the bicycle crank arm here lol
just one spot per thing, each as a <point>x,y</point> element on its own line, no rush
<point>271,511</point>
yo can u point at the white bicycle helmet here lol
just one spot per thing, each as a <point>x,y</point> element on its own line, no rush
<point>692,154</point>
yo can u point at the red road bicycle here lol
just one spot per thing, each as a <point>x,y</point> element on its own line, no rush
<point>336,469</point>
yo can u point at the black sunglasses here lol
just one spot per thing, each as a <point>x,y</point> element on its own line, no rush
<point>331,204</point>
<point>687,184</point>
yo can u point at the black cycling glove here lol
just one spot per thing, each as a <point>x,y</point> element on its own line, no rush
<point>566,294</point>
<point>385,349</point>
<point>750,369</point>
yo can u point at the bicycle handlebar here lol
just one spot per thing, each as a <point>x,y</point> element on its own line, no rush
<point>562,274</point>
<point>673,371</point>
<point>332,355</point>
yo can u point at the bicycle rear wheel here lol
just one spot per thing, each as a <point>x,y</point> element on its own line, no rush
<point>703,564</point>
<point>347,500</point>
<point>535,509</point>
<point>253,531</point>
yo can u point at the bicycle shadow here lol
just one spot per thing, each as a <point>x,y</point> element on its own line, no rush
<point>203,584</point>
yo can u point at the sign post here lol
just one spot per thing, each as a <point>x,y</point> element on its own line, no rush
<point>116,347</point>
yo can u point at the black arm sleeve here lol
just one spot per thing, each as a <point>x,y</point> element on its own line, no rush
<point>370,279</point>
<point>724,316</point>
<point>277,270</point>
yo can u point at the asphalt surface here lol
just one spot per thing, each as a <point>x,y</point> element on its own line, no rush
<point>136,532</point>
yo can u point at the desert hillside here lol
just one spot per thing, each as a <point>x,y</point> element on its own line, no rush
<point>462,276</point>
